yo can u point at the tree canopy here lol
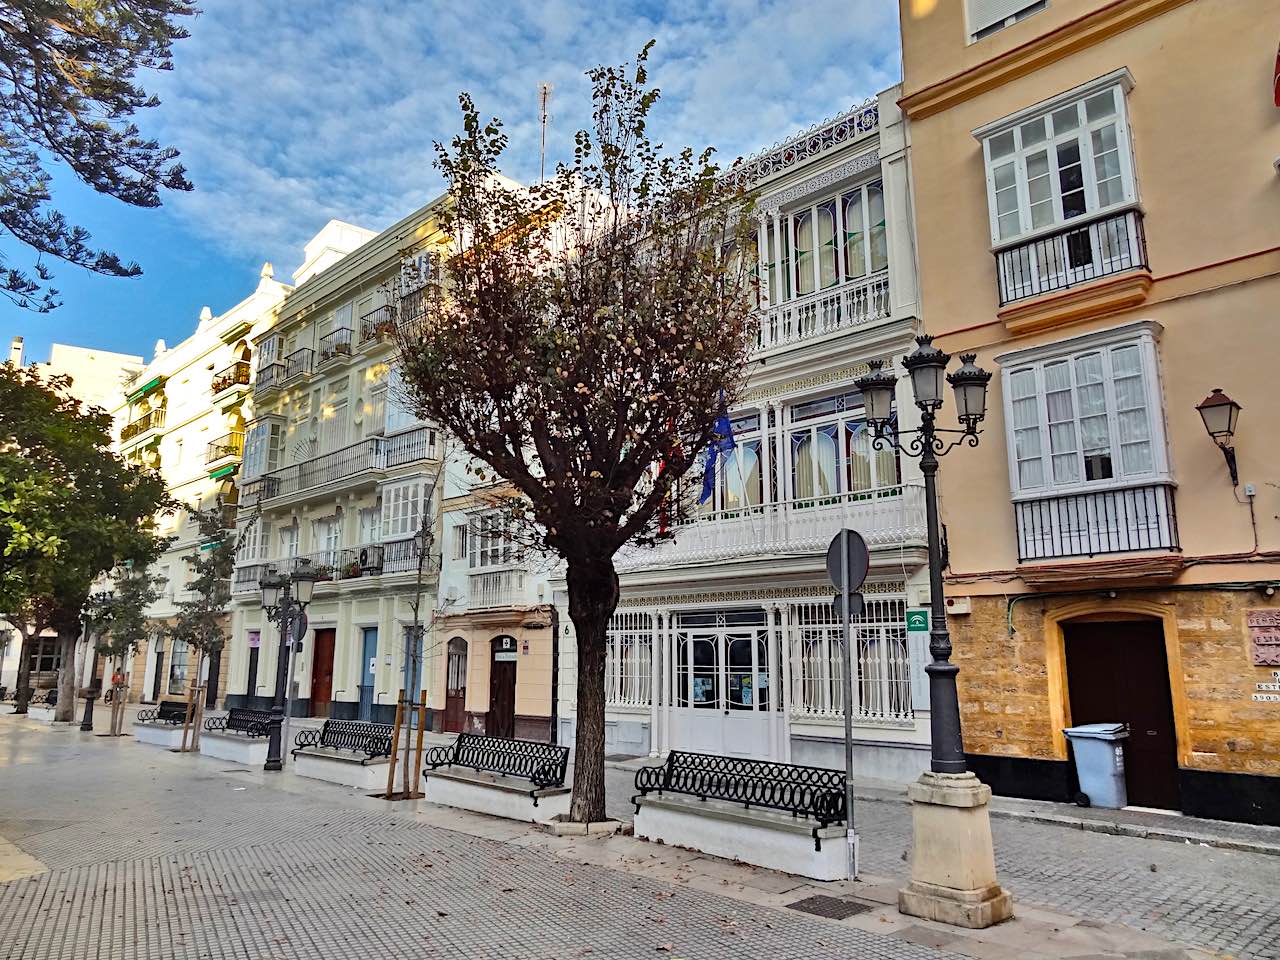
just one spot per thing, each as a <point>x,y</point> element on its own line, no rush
<point>68,91</point>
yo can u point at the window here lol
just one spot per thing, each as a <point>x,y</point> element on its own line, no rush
<point>628,667</point>
<point>402,509</point>
<point>326,537</point>
<point>289,541</point>
<point>488,543</point>
<point>990,16</point>
<point>838,239</point>
<point>400,413</point>
<point>370,522</point>
<point>333,426</point>
<point>262,445</point>
<point>1086,413</point>
<point>179,658</point>
<point>1058,162</point>
<point>459,541</point>
<point>831,452</point>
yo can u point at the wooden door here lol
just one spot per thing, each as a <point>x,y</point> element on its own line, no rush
<point>1118,673</point>
<point>251,686</point>
<point>501,721</point>
<point>158,679</point>
<point>368,671</point>
<point>455,694</point>
<point>322,673</point>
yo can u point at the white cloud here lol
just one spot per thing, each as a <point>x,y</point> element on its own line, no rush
<point>288,115</point>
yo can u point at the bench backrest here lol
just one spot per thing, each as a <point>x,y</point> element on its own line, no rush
<point>542,763</point>
<point>244,719</point>
<point>171,709</point>
<point>815,792</point>
<point>360,736</point>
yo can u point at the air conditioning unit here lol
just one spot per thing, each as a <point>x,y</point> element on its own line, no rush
<point>453,594</point>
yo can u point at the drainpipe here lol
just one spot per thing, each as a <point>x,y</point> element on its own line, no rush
<point>555,674</point>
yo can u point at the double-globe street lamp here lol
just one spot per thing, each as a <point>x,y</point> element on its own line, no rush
<point>284,599</point>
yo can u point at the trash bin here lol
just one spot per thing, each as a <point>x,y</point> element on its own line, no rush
<point>1100,763</point>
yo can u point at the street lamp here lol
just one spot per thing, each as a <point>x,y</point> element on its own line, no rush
<point>285,600</point>
<point>953,874</point>
<point>1219,413</point>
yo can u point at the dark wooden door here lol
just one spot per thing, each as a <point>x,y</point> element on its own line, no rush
<point>251,686</point>
<point>159,675</point>
<point>322,673</point>
<point>501,721</point>
<point>1118,673</point>
<point>455,693</point>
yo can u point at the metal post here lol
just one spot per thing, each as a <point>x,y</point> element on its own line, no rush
<point>947,746</point>
<point>851,833</point>
<point>295,621</point>
<point>274,758</point>
<point>87,722</point>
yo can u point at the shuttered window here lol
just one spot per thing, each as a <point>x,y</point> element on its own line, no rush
<point>988,16</point>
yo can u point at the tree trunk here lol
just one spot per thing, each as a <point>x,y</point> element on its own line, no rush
<point>64,712</point>
<point>593,595</point>
<point>23,696</point>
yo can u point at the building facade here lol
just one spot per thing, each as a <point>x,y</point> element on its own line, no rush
<point>184,414</point>
<point>1096,209</point>
<point>338,473</point>
<point>725,639</point>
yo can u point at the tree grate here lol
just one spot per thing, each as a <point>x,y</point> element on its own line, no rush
<point>833,908</point>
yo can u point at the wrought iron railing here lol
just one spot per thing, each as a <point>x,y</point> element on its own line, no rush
<point>248,723</point>
<point>1089,524</point>
<point>245,579</point>
<point>298,363</point>
<point>151,420</point>
<point>367,454</point>
<point>377,324</point>
<point>322,563</point>
<point>227,446</point>
<point>235,375</point>
<point>1074,255</point>
<point>416,444</point>
<point>494,588</point>
<point>849,305</point>
<point>335,344</point>
<point>356,562</point>
<point>401,556</point>
<point>269,377</point>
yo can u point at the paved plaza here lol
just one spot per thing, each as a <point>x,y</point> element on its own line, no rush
<point>115,850</point>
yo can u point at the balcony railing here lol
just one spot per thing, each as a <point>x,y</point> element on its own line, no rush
<point>224,448</point>
<point>495,588</point>
<point>377,324</point>
<point>245,579</point>
<point>235,375</point>
<point>356,562</point>
<point>416,444</point>
<point>269,377</point>
<point>885,516</point>
<point>298,363</point>
<point>151,420</point>
<point>335,344</point>
<point>1072,256</point>
<point>368,454</point>
<point>1089,524</point>
<point>323,563</point>
<point>402,557</point>
<point>848,305</point>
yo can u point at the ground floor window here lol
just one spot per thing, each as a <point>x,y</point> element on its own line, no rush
<point>628,667</point>
<point>179,658</point>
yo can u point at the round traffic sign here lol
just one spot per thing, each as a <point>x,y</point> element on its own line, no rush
<point>856,555</point>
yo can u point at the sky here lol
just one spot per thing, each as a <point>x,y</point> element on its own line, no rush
<point>290,114</point>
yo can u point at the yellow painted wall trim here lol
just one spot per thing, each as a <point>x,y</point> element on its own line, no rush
<point>1068,39</point>
<point>1099,299</point>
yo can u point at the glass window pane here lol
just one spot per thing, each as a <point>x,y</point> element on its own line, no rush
<point>1033,133</point>
<point>1025,413</point>
<point>801,465</point>
<point>858,455</point>
<point>802,225</point>
<point>878,239</point>
<point>828,240</point>
<point>1001,145</point>
<point>1022,384</point>
<point>1066,120</point>
<point>1136,458</point>
<point>1030,474</point>
<point>855,256</point>
<point>826,461</point>
<point>1071,179</point>
<point>1100,105</point>
<point>1040,189</point>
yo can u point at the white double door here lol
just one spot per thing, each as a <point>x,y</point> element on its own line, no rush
<point>724,697</point>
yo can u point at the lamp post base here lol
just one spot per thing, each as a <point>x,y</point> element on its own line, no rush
<point>953,870</point>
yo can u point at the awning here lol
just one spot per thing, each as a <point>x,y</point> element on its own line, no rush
<point>155,383</point>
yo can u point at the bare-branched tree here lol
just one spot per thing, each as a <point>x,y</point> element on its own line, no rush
<point>578,339</point>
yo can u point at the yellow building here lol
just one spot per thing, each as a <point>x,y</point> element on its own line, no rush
<point>1098,209</point>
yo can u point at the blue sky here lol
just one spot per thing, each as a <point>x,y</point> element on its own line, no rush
<point>288,115</point>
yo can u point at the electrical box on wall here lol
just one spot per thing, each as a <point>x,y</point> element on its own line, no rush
<point>957,605</point>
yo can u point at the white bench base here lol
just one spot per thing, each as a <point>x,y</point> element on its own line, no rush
<point>251,751</point>
<point>345,769</point>
<point>498,796</point>
<point>40,714</point>
<point>158,734</point>
<point>765,838</point>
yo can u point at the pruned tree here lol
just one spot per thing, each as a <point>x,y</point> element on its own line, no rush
<point>68,91</point>
<point>117,622</point>
<point>201,620</point>
<point>579,340</point>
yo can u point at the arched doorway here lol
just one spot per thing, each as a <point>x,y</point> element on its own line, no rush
<point>501,721</point>
<point>1118,672</point>
<point>455,694</point>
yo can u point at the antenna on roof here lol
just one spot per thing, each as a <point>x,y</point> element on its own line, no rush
<point>544,98</point>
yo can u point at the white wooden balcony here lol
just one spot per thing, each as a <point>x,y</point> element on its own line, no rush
<point>851,304</point>
<point>886,517</point>
<point>495,588</point>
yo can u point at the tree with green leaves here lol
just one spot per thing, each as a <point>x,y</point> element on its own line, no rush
<point>104,508</point>
<point>68,92</point>
<point>117,623</point>
<point>580,341</point>
<point>28,529</point>
<point>201,620</point>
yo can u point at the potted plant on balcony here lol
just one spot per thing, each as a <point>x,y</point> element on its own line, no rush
<point>351,570</point>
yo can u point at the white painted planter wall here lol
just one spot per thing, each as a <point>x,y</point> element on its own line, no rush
<point>496,796</point>
<point>759,837</point>
<point>251,751</point>
<point>348,773</point>
<point>158,734</point>
<point>40,714</point>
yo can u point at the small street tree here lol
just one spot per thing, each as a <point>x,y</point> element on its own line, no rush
<point>580,341</point>
<point>117,622</point>
<point>68,91</point>
<point>200,621</point>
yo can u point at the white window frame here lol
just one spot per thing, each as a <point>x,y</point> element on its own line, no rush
<point>1144,334</point>
<point>402,507</point>
<point>460,539</point>
<point>490,547</point>
<point>849,411</point>
<point>1120,82</point>
<point>263,441</point>
<point>399,416</point>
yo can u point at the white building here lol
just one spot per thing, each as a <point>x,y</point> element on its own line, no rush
<point>725,640</point>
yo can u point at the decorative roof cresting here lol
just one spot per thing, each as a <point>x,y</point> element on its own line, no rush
<point>854,123</point>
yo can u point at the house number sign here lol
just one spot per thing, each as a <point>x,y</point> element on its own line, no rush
<point>1264,636</point>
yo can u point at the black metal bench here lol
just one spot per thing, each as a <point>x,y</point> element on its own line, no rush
<point>542,764</point>
<point>46,698</point>
<point>355,736</point>
<point>173,712</point>
<point>811,792</point>
<point>249,723</point>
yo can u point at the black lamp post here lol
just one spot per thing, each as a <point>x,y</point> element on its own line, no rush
<point>1219,413</point>
<point>284,599</point>
<point>927,366</point>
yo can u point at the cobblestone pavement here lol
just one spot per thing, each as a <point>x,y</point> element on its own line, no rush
<point>156,855</point>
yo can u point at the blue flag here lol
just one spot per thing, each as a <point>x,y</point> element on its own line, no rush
<point>721,443</point>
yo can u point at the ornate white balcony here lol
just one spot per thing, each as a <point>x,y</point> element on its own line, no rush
<point>838,308</point>
<point>495,588</point>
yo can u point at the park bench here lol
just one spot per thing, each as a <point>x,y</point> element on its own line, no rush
<point>242,721</point>
<point>161,725</point>
<point>173,712</point>
<point>771,814</point>
<point>498,765</point>
<point>350,752</point>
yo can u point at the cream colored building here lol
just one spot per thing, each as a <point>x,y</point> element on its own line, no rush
<point>96,375</point>
<point>339,473</point>
<point>1097,205</point>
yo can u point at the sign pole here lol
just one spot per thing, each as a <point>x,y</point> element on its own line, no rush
<point>299,631</point>
<point>851,833</point>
